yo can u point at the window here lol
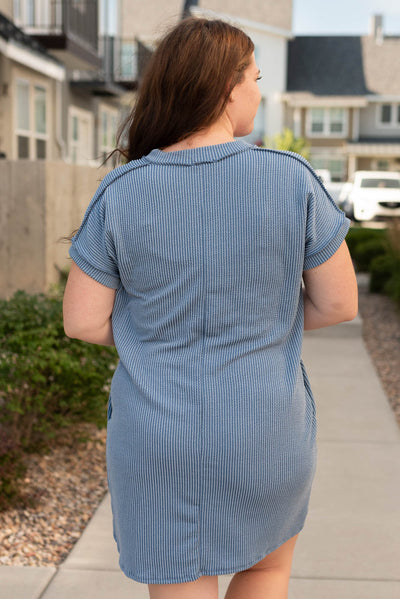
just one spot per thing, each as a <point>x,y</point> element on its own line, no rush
<point>336,120</point>
<point>129,58</point>
<point>34,14</point>
<point>74,139</point>
<point>380,183</point>
<point>40,109</point>
<point>388,115</point>
<point>108,130</point>
<point>382,165</point>
<point>336,165</point>
<point>17,11</point>
<point>23,105</point>
<point>31,120</point>
<point>30,12</point>
<point>317,120</point>
<point>327,122</point>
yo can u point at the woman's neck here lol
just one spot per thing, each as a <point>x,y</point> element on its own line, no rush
<point>218,133</point>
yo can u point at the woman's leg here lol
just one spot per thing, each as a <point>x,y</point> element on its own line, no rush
<point>205,587</point>
<point>268,579</point>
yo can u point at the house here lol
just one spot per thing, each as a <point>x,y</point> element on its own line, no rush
<point>31,82</point>
<point>76,97</point>
<point>266,21</point>
<point>343,96</point>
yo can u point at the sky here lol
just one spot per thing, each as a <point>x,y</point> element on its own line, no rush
<point>343,17</point>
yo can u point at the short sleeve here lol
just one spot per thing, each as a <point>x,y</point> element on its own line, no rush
<point>326,226</point>
<point>92,247</point>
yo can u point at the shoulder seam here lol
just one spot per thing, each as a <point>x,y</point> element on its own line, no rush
<point>305,163</point>
<point>113,176</point>
<point>293,155</point>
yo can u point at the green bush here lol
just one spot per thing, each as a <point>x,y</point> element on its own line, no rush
<point>12,469</point>
<point>392,287</point>
<point>47,381</point>
<point>357,236</point>
<point>381,270</point>
<point>364,252</point>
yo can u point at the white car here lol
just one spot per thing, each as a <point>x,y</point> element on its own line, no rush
<point>372,195</point>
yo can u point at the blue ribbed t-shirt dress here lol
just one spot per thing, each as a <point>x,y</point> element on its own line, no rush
<point>211,448</point>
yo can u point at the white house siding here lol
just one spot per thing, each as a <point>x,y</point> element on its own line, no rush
<point>271,53</point>
<point>369,125</point>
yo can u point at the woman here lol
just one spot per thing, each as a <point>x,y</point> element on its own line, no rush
<point>191,259</point>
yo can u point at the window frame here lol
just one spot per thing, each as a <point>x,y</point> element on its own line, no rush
<point>327,160</point>
<point>76,145</point>
<point>394,122</point>
<point>31,133</point>
<point>112,115</point>
<point>33,15</point>
<point>327,121</point>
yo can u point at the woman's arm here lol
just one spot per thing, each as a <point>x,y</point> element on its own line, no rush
<point>330,291</point>
<point>87,308</point>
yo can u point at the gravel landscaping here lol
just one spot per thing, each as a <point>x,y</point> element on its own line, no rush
<point>65,486</point>
<point>63,489</point>
<point>381,332</point>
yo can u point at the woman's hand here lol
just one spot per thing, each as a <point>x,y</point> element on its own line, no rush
<point>330,291</point>
<point>87,308</point>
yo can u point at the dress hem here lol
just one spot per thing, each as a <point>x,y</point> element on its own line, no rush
<point>220,572</point>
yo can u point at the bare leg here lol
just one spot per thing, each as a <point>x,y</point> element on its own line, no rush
<point>205,587</point>
<point>268,579</point>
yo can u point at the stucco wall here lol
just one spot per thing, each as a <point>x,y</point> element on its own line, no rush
<point>40,202</point>
<point>6,7</point>
<point>269,12</point>
<point>152,18</point>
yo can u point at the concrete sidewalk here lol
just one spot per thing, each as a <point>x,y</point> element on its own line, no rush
<point>350,547</point>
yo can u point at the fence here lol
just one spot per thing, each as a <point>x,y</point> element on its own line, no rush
<point>40,202</point>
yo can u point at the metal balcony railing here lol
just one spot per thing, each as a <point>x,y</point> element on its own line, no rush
<point>119,62</point>
<point>76,18</point>
<point>119,58</point>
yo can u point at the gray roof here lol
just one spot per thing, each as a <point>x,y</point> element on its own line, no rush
<point>344,65</point>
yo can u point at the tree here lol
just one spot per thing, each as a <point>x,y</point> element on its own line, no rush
<point>288,142</point>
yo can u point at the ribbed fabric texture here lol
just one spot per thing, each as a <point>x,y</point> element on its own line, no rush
<point>211,424</point>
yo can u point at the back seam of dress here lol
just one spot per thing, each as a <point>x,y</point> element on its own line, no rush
<point>202,366</point>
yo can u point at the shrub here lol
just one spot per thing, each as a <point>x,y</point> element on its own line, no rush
<point>392,287</point>
<point>288,142</point>
<point>364,252</point>
<point>47,381</point>
<point>12,468</point>
<point>357,235</point>
<point>381,269</point>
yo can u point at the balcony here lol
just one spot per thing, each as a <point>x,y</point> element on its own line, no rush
<point>67,28</point>
<point>119,72</point>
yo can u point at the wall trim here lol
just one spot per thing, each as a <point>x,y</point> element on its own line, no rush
<point>41,64</point>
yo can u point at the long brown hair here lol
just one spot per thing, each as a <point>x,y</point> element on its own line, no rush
<point>187,83</point>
